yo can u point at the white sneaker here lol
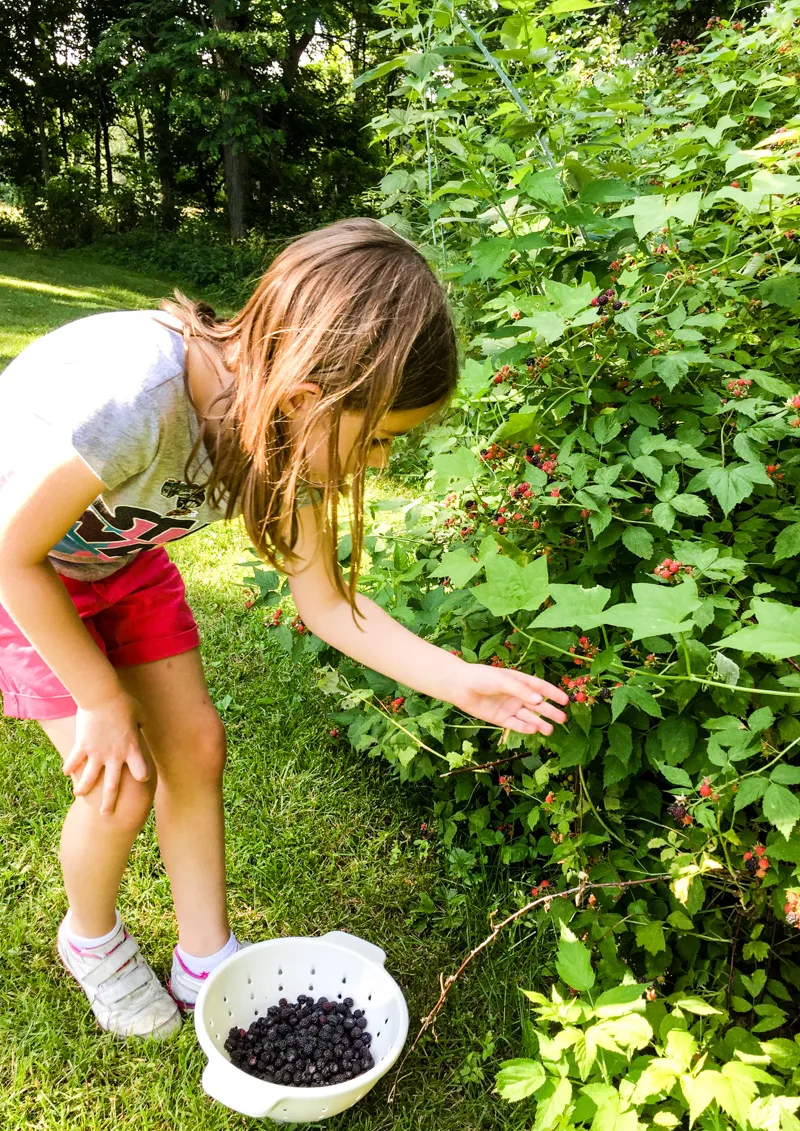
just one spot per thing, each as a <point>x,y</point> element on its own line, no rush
<point>185,985</point>
<point>125,995</point>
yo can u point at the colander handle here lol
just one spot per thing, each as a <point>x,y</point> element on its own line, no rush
<point>366,949</point>
<point>217,1085</point>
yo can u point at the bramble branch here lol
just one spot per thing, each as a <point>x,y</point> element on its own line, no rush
<point>446,984</point>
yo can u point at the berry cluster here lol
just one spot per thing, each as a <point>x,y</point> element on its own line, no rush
<point>543,885</point>
<point>535,456</point>
<point>398,703</point>
<point>494,451</point>
<point>668,570</point>
<point>683,47</point>
<point>334,732</point>
<point>521,491</point>
<point>756,862</point>
<point>297,624</point>
<point>793,402</point>
<point>425,830</point>
<point>451,499</point>
<point>773,471</point>
<point>275,619</point>
<point>705,790</point>
<point>502,374</point>
<point>584,649</point>
<point>679,812</point>
<point>580,692</point>
<point>739,388</point>
<point>792,908</point>
<point>307,1044</point>
<point>604,299</point>
<point>536,363</point>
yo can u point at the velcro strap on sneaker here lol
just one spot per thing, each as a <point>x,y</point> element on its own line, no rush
<point>115,989</point>
<point>111,963</point>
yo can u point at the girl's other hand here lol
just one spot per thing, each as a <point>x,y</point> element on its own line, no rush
<point>509,699</point>
<point>107,739</point>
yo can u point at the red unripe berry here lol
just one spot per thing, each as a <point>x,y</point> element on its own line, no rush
<point>705,788</point>
<point>555,493</point>
<point>584,513</point>
<point>537,447</point>
<point>734,184</point>
<point>580,697</point>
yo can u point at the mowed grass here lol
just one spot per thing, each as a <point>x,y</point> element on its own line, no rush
<point>319,838</point>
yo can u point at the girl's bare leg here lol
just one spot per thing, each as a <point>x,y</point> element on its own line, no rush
<point>95,848</point>
<point>186,739</point>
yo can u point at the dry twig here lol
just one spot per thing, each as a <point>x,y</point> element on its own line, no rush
<point>446,984</point>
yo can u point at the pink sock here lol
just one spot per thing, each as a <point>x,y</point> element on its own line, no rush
<point>199,965</point>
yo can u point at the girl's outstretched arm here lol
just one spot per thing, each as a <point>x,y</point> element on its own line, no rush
<point>506,698</point>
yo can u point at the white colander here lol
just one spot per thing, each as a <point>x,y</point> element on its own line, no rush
<point>336,965</point>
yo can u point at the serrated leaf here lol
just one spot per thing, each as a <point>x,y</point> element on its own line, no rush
<point>674,775</point>
<point>454,470</point>
<point>689,504</point>
<point>700,1091</point>
<point>781,808</point>
<point>733,484</point>
<point>552,1109</point>
<point>664,516</point>
<point>638,541</point>
<point>518,1079</point>
<point>458,566</point>
<point>574,605</point>
<point>657,610</point>
<point>786,775</point>
<point>776,634</point>
<point>726,670</point>
<point>650,467</point>
<point>511,587</point>
<point>787,544</point>
<point>651,937</point>
<point>695,1005</point>
<point>749,791</point>
<point>574,961</point>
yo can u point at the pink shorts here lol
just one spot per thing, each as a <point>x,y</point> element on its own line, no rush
<point>137,615</point>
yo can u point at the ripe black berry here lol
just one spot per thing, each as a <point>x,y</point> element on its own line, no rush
<point>617,305</point>
<point>604,693</point>
<point>751,865</point>
<point>676,811</point>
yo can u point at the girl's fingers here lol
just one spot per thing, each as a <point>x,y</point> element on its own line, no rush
<point>86,781</point>
<point>74,761</point>
<point>533,718</point>
<point>540,687</point>
<point>111,775</point>
<point>137,764</point>
<point>549,711</point>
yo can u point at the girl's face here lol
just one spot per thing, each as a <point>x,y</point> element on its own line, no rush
<point>395,423</point>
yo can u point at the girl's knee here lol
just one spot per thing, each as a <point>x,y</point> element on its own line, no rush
<point>199,756</point>
<point>134,802</point>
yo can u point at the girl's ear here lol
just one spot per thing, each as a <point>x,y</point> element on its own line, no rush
<point>301,399</point>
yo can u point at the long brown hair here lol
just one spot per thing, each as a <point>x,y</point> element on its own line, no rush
<point>353,307</point>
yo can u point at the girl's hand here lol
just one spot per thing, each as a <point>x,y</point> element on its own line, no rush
<point>509,699</point>
<point>106,739</point>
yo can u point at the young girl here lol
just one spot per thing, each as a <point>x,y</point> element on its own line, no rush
<point>123,431</point>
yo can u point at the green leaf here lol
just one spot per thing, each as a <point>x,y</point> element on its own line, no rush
<point>671,368</point>
<point>700,1091</point>
<point>781,808</point>
<point>760,720</point>
<point>518,1079</point>
<point>574,961</point>
<point>657,610</point>
<point>574,605</point>
<point>649,466</point>
<point>544,322</point>
<point>777,633</point>
<point>545,187</point>
<point>423,63</point>
<point>749,791</point>
<point>511,587</point>
<point>733,484</point>
<point>695,1005</point>
<point>630,693</point>
<point>550,1111</point>
<point>606,190</point>
<point>782,290</point>
<point>455,470</point>
<point>689,504</point>
<point>638,541</point>
<point>786,775</point>
<point>675,775</point>
<point>651,937</point>
<point>787,544</point>
<point>620,741</point>
<point>458,566</point>
<point>619,1000</point>
<point>384,68</point>
<point>664,516</point>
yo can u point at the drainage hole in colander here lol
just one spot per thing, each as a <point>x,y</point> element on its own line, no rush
<point>280,988</point>
<point>386,1021</point>
<point>369,997</point>
<point>379,1033</point>
<point>311,987</point>
<point>338,995</point>
<point>230,1014</point>
<point>279,971</point>
<point>344,980</point>
<point>255,1012</point>
<point>225,1000</point>
<point>313,971</point>
<point>323,1111</point>
<point>249,981</point>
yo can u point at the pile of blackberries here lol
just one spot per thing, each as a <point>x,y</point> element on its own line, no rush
<point>305,1044</point>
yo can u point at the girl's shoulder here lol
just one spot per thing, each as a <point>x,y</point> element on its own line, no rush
<point>135,350</point>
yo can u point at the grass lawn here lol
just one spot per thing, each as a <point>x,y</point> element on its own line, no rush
<point>319,838</point>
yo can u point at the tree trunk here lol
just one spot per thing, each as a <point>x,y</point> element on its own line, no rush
<point>237,164</point>
<point>63,130</point>
<point>107,149</point>
<point>139,132</point>
<point>164,166</point>
<point>98,171</point>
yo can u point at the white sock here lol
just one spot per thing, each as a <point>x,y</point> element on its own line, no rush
<point>90,944</point>
<point>204,964</point>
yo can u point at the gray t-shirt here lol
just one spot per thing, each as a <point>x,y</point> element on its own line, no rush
<point>112,385</point>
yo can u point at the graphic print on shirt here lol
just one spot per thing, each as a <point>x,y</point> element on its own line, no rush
<point>101,533</point>
<point>188,496</point>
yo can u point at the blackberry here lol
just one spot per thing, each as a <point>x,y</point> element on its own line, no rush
<point>604,693</point>
<point>617,305</point>
<point>602,300</point>
<point>676,811</point>
<point>751,865</point>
